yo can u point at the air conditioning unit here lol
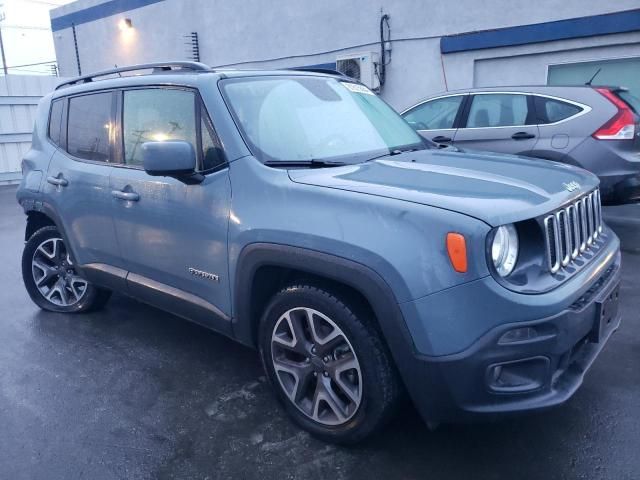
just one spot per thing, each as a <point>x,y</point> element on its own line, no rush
<point>360,66</point>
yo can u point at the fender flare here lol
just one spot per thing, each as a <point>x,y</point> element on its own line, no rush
<point>356,275</point>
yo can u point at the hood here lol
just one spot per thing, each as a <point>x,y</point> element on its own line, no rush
<point>494,188</point>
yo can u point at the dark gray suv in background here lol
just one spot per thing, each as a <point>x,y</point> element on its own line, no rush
<point>595,128</point>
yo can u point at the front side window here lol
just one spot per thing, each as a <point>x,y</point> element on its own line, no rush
<point>156,115</point>
<point>435,114</point>
<point>549,110</point>
<point>497,110</point>
<point>90,126</point>
<point>315,118</point>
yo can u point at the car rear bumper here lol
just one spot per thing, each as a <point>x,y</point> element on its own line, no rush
<point>541,367</point>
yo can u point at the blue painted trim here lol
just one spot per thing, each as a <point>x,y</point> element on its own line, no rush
<point>619,22</point>
<point>112,7</point>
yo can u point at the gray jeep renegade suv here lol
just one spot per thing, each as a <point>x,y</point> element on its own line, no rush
<point>296,213</point>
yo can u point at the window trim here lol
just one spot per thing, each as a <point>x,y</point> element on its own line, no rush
<point>199,109</point>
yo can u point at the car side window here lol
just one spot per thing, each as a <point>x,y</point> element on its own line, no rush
<point>157,114</point>
<point>55,121</point>
<point>498,110</point>
<point>90,126</point>
<point>549,110</point>
<point>435,114</point>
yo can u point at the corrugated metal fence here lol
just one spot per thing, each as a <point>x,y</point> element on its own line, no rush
<point>19,96</point>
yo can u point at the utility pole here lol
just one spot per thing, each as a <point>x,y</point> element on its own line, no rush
<point>4,60</point>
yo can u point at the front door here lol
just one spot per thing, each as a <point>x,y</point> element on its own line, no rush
<point>436,119</point>
<point>173,236</point>
<point>499,122</point>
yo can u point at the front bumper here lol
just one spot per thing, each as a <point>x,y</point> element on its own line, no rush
<point>542,366</point>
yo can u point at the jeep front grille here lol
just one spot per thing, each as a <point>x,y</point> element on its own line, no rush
<point>572,230</point>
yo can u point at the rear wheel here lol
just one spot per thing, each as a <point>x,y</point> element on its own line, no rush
<point>51,278</point>
<point>328,364</point>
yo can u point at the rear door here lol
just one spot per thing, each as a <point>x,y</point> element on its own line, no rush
<point>558,133</point>
<point>498,122</point>
<point>436,119</point>
<point>77,184</point>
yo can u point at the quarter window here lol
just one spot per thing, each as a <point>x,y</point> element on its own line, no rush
<point>549,110</point>
<point>498,110</point>
<point>55,121</point>
<point>212,155</point>
<point>90,127</point>
<point>157,115</point>
<point>435,114</point>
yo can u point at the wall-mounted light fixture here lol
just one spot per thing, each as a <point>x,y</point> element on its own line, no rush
<point>125,24</point>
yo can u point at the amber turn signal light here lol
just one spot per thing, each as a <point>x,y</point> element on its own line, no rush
<point>457,249</point>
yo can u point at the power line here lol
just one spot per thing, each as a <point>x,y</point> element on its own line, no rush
<point>25,27</point>
<point>31,64</point>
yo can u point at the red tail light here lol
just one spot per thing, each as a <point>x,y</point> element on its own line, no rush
<point>622,125</point>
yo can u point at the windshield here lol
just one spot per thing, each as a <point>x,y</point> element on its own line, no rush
<point>315,118</point>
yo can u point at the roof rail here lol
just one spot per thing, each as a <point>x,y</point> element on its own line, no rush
<point>157,67</point>
<point>328,71</point>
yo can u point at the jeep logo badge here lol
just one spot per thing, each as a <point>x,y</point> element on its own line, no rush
<point>571,186</point>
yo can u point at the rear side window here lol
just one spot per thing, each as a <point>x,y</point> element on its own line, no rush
<point>498,110</point>
<point>55,121</point>
<point>435,114</point>
<point>549,110</point>
<point>90,127</point>
<point>156,115</point>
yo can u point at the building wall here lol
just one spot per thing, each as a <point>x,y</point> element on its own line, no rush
<point>259,34</point>
<point>19,97</point>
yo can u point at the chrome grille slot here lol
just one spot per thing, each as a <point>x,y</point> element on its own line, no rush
<point>572,230</point>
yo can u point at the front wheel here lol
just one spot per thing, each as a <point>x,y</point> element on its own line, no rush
<point>328,364</point>
<point>51,279</point>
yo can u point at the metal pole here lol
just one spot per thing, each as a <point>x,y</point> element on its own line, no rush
<point>4,60</point>
<point>75,44</point>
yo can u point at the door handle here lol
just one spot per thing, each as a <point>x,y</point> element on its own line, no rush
<point>58,181</point>
<point>130,196</point>
<point>441,139</point>
<point>522,136</point>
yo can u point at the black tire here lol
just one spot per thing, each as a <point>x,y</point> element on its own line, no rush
<point>92,298</point>
<point>380,387</point>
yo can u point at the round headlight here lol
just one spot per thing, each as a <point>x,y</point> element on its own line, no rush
<point>504,250</point>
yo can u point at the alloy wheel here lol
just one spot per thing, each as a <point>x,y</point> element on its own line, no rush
<point>55,275</point>
<point>316,366</point>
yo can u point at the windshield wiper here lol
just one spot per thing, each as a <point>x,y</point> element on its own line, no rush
<point>313,163</point>
<point>395,151</point>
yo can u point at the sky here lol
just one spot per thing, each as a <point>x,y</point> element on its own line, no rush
<point>26,34</point>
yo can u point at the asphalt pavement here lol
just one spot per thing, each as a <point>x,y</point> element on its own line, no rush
<point>132,392</point>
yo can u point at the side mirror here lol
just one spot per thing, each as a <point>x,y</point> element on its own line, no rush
<point>174,158</point>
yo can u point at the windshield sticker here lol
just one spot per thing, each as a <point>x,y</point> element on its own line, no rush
<point>355,88</point>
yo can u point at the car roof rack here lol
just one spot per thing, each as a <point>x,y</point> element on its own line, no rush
<point>328,71</point>
<point>156,67</point>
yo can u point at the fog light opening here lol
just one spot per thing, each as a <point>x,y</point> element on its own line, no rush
<point>517,335</point>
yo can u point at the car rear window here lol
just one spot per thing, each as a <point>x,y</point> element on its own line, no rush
<point>550,110</point>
